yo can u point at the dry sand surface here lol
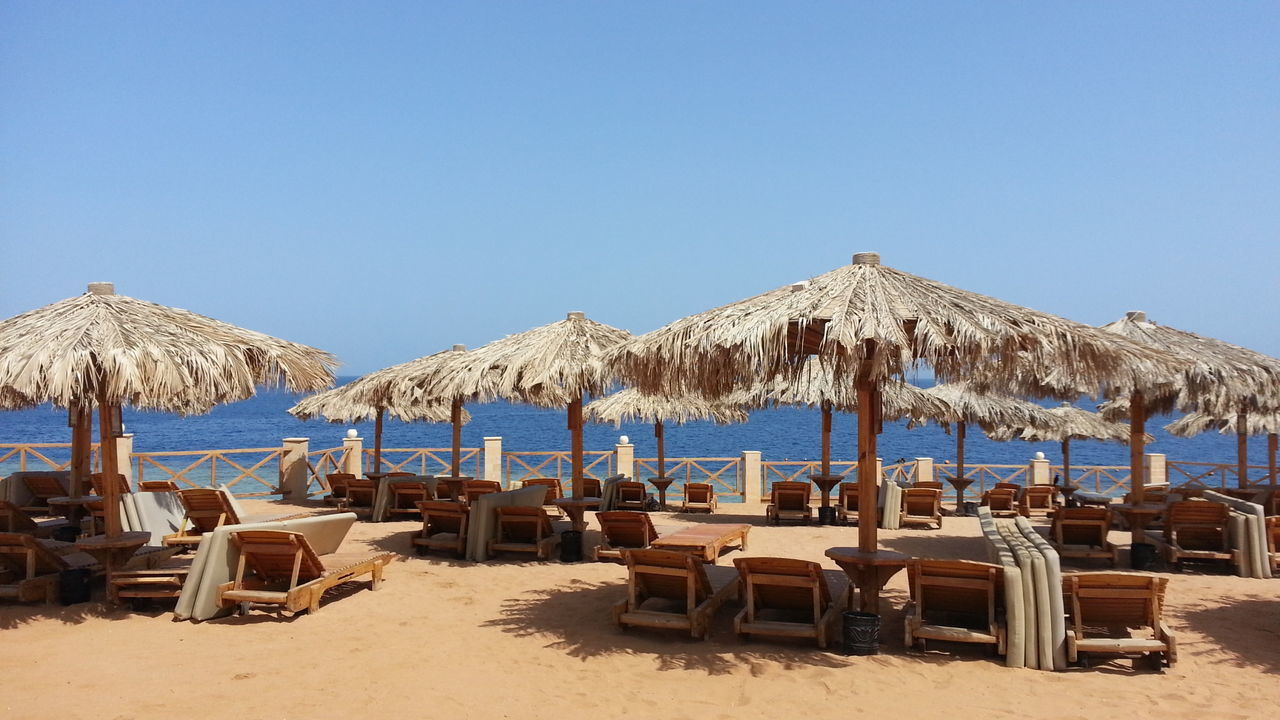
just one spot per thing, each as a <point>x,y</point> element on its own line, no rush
<point>512,639</point>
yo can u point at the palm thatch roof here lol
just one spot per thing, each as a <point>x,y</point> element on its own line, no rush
<point>815,385</point>
<point>391,389</point>
<point>869,318</point>
<point>990,411</point>
<point>631,405</point>
<point>548,366</point>
<point>1073,424</point>
<point>138,353</point>
<point>1193,424</point>
<point>1220,378</point>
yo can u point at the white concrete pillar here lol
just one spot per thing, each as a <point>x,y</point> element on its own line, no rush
<point>493,460</point>
<point>752,477</point>
<point>124,456</point>
<point>625,455</point>
<point>1038,472</point>
<point>353,458</point>
<point>924,470</point>
<point>1156,472</point>
<point>293,468</point>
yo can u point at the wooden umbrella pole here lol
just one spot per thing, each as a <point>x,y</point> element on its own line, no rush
<point>455,417</point>
<point>377,441</point>
<point>1272,443</point>
<point>826,438</point>
<point>110,468</point>
<point>81,438</point>
<point>1137,446</point>
<point>659,432</point>
<point>960,430</point>
<point>1066,462</point>
<point>575,431</point>
<point>868,489</point>
<point>1242,448</point>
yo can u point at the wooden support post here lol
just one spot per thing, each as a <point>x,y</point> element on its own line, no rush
<point>1242,448</point>
<point>81,417</point>
<point>868,483</point>
<point>1066,462</point>
<point>575,431</point>
<point>960,430</point>
<point>455,417</point>
<point>1272,443</point>
<point>826,439</point>
<point>107,446</point>
<point>1137,448</point>
<point>377,441</point>
<point>659,432</point>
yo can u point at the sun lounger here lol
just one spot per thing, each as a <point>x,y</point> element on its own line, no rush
<point>1003,502</point>
<point>632,495</point>
<point>1197,530</point>
<point>847,502</point>
<point>704,541</point>
<point>14,520</point>
<point>337,487</point>
<point>524,529</point>
<point>287,573</point>
<point>405,492</point>
<point>671,590</point>
<point>162,581</point>
<point>922,506</point>
<point>1038,500</point>
<point>933,484</point>
<point>698,497</point>
<point>100,487</point>
<point>206,510</point>
<point>30,569</point>
<point>473,489</point>
<point>555,491</point>
<point>591,487</point>
<point>955,601</point>
<point>1107,608</point>
<point>786,598</point>
<point>1082,533</point>
<point>444,527</point>
<point>43,487</point>
<point>361,492</point>
<point>789,501</point>
<point>621,530</point>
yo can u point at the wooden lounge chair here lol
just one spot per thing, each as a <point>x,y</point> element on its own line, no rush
<point>1002,501</point>
<point>524,529</point>
<point>1117,614</point>
<point>670,590</point>
<point>789,500</point>
<point>100,487</point>
<point>1038,500</point>
<point>591,487</point>
<point>43,487</point>
<point>1273,542</point>
<point>361,492</point>
<point>287,573</point>
<point>847,502</point>
<point>1197,529</point>
<point>922,506</point>
<point>632,495</point>
<point>698,497</point>
<point>444,527</point>
<point>1081,532</point>
<point>473,489</point>
<point>786,597</point>
<point>555,491</point>
<point>934,484</point>
<point>14,520</point>
<point>30,570</point>
<point>621,530</point>
<point>704,541</point>
<point>163,581</point>
<point>406,494</point>
<point>337,487</point>
<point>954,601</point>
<point>206,509</point>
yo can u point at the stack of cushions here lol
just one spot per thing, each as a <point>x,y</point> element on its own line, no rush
<point>1034,612</point>
<point>1248,534</point>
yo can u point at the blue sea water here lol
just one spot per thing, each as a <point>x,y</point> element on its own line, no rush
<point>779,434</point>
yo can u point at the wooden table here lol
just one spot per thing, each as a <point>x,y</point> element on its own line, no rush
<point>113,552</point>
<point>824,483</point>
<point>662,483</point>
<point>1067,491</point>
<point>960,485</point>
<point>73,508</point>
<point>455,485</point>
<point>868,572</point>
<point>576,509</point>
<point>1138,517</point>
<point>704,540</point>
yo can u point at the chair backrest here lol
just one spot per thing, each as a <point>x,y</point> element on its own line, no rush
<point>964,587</point>
<point>523,524</point>
<point>1081,526</point>
<point>277,556</point>
<point>99,484</point>
<point>1197,524</point>
<point>928,484</point>
<point>472,489</point>
<point>922,501</point>
<point>626,528</point>
<point>696,492</point>
<point>1006,486</point>
<point>1002,499</point>
<point>338,483</point>
<point>591,487</point>
<point>791,495</point>
<point>554,489</point>
<point>27,558</point>
<point>44,486</point>
<point>207,508</point>
<point>399,474</point>
<point>669,575</point>
<point>848,496</point>
<point>631,491</point>
<point>1114,600</point>
<point>1039,496</point>
<point>785,584</point>
<point>442,516</point>
<point>13,520</point>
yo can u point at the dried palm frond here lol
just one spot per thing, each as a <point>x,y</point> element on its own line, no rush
<point>989,411</point>
<point>1073,424</point>
<point>815,386</point>
<point>631,405</point>
<point>1193,424</point>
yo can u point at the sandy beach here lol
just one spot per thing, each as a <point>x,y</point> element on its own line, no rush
<point>449,639</point>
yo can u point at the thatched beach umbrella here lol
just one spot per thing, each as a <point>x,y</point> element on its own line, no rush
<point>1220,379</point>
<point>549,366</point>
<point>112,350</point>
<point>371,397</point>
<point>631,405</point>
<point>963,405</point>
<point>1268,424</point>
<point>1073,424</point>
<point>869,323</point>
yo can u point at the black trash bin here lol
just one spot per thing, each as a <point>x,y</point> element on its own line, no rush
<point>1142,556</point>
<point>571,546</point>
<point>826,515</point>
<point>861,633</point>
<point>66,533</point>
<point>73,586</point>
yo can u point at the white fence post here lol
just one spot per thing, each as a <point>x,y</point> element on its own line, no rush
<point>1157,473</point>
<point>293,468</point>
<point>752,477</point>
<point>353,447</point>
<point>493,459</point>
<point>924,470</point>
<point>625,456</point>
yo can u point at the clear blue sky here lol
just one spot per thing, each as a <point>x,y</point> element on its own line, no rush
<point>385,179</point>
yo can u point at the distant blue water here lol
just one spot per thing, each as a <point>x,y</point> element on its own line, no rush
<point>780,434</point>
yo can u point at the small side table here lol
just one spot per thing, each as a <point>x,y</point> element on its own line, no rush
<point>576,509</point>
<point>867,571</point>
<point>662,483</point>
<point>73,508</point>
<point>113,552</point>
<point>960,485</point>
